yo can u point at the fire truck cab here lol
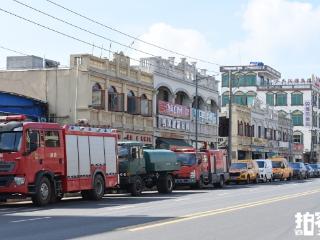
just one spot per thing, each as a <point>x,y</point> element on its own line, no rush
<point>44,160</point>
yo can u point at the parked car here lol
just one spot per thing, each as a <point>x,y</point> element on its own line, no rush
<point>265,169</point>
<point>310,171</point>
<point>244,171</point>
<point>281,169</point>
<point>299,170</point>
<point>316,168</point>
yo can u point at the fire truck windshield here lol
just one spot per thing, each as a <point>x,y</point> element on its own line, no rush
<point>186,159</point>
<point>10,141</point>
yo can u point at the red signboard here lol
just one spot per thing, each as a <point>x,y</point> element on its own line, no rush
<point>297,147</point>
<point>173,110</point>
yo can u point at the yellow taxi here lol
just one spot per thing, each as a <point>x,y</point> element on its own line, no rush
<point>244,171</point>
<point>281,169</point>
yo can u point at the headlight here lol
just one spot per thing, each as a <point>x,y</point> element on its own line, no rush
<point>193,174</point>
<point>19,180</point>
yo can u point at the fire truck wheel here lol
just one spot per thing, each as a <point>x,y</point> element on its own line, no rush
<point>136,187</point>
<point>43,192</point>
<point>199,184</point>
<point>221,182</point>
<point>165,184</point>
<point>98,188</point>
<point>85,195</point>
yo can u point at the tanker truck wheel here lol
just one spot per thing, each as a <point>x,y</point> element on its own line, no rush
<point>165,184</point>
<point>136,187</point>
<point>43,192</point>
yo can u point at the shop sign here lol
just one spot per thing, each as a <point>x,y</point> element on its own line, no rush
<point>205,116</point>
<point>172,123</point>
<point>173,110</point>
<point>307,113</point>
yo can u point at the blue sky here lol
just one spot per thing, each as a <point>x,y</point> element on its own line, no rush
<point>282,33</point>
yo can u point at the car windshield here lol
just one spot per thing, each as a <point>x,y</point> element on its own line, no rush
<point>315,166</point>
<point>276,164</point>
<point>10,141</point>
<point>186,159</point>
<point>123,152</point>
<point>295,165</point>
<point>260,164</point>
<point>238,166</point>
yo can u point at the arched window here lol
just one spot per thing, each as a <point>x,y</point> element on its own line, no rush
<point>297,118</point>
<point>297,137</point>
<point>97,96</point>
<point>281,99</point>
<point>240,98</point>
<point>270,98</point>
<point>296,99</point>
<point>250,97</point>
<point>282,113</point>
<point>115,100</point>
<point>146,106</point>
<point>131,103</point>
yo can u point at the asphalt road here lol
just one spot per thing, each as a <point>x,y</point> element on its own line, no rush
<point>263,211</point>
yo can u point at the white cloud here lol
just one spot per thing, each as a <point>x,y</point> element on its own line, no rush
<point>284,34</point>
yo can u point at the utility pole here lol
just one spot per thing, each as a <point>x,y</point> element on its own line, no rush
<point>197,112</point>
<point>230,121</point>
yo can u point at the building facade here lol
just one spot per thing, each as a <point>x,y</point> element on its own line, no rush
<point>96,91</point>
<point>175,103</point>
<point>257,132</point>
<point>299,99</point>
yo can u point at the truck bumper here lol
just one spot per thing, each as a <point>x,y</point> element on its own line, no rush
<point>185,181</point>
<point>9,187</point>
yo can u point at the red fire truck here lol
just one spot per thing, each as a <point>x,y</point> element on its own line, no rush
<point>44,160</point>
<point>201,168</point>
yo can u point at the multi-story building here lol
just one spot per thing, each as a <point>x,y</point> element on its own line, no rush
<point>257,132</point>
<point>291,98</point>
<point>301,99</point>
<point>175,103</point>
<point>97,91</point>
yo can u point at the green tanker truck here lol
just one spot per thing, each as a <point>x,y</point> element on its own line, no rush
<point>140,168</point>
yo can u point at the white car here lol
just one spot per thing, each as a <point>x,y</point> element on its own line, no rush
<point>265,169</point>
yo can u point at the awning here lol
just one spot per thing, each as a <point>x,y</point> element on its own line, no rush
<point>168,143</point>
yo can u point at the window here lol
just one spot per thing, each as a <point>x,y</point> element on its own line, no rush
<point>296,98</point>
<point>32,140</point>
<point>225,99</point>
<point>281,99</point>
<point>146,106</point>
<point>51,139</point>
<point>297,118</point>
<point>270,99</point>
<point>131,103</point>
<point>97,96</point>
<point>259,132</point>
<point>115,100</point>
<point>225,80</point>
<point>240,98</point>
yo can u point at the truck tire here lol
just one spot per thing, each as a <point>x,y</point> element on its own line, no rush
<point>136,187</point>
<point>97,192</point>
<point>220,184</point>
<point>85,194</point>
<point>165,184</point>
<point>43,192</point>
<point>256,180</point>
<point>198,185</point>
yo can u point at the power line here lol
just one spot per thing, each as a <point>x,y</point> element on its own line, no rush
<point>15,51</point>
<point>82,29</point>
<point>130,36</point>
<point>71,37</point>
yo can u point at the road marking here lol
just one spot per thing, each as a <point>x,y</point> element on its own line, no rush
<point>221,210</point>
<point>30,219</point>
